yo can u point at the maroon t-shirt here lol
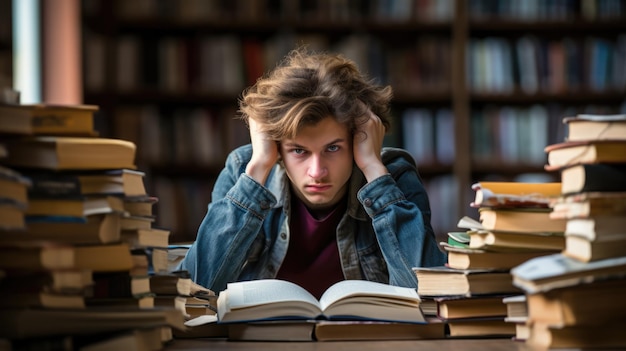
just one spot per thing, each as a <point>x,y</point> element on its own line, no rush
<point>312,259</point>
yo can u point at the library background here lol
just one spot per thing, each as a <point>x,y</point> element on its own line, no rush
<point>481,86</point>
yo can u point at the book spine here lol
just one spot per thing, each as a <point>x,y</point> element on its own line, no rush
<point>604,177</point>
<point>54,187</point>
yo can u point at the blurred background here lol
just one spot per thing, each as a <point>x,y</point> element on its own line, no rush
<point>481,86</point>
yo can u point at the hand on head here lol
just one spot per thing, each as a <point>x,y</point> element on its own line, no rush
<point>367,144</point>
<point>264,153</point>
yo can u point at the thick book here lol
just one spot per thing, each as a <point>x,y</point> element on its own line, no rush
<point>44,255</point>
<point>271,299</point>
<point>515,242</point>
<point>445,281</point>
<point>94,229</point>
<point>571,153</point>
<point>140,205</point>
<point>455,307</point>
<point>376,331</point>
<point>520,220</point>
<point>595,303</point>
<point>47,119</point>
<point>597,228</point>
<point>171,283</point>
<point>589,204</point>
<point>516,308</point>
<point>595,127</point>
<point>480,328</point>
<point>553,271</point>
<point>68,184</point>
<point>514,194</point>
<point>598,177</point>
<point>586,250</point>
<point>74,207</point>
<point>146,237</point>
<point>465,258</point>
<point>519,188</point>
<point>70,153</point>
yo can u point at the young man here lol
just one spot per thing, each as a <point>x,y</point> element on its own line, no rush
<point>315,198</point>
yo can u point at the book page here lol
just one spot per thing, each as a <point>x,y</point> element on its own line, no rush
<point>348,288</point>
<point>258,292</point>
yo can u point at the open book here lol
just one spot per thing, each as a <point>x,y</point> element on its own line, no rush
<point>272,299</point>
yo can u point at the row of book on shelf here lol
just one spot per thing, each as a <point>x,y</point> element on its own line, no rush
<point>534,10</point>
<point>81,263</point>
<point>263,10</point>
<point>533,65</point>
<point>224,64</point>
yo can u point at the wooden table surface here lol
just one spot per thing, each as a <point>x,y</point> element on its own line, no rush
<point>421,345</point>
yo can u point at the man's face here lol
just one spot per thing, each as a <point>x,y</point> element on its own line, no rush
<point>319,163</point>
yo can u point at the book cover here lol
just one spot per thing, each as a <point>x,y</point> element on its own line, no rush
<point>557,270</point>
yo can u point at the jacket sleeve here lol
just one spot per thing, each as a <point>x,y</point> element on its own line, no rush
<point>234,219</point>
<point>400,212</point>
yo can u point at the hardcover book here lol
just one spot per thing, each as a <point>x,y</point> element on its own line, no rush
<point>271,299</point>
<point>70,153</point>
<point>594,127</point>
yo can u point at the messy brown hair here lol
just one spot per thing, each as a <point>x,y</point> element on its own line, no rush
<point>307,87</point>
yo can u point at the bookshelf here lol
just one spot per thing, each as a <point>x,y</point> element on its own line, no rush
<point>167,75</point>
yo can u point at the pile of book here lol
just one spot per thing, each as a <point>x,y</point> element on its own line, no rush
<point>77,265</point>
<point>471,293</point>
<point>575,297</point>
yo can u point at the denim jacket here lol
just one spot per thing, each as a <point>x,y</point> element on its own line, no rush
<point>383,234</point>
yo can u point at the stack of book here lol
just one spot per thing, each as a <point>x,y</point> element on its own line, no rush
<point>575,297</point>
<point>514,227</point>
<point>68,274</point>
<point>592,164</point>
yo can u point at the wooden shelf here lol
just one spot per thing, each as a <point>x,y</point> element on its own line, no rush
<point>546,28</point>
<point>572,97</point>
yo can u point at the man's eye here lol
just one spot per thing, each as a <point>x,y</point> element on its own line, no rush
<point>298,151</point>
<point>333,148</point>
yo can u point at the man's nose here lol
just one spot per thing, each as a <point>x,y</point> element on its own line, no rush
<point>317,169</point>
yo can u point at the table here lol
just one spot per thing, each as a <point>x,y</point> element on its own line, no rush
<point>421,345</point>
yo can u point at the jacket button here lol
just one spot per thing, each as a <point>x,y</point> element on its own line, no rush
<point>283,236</point>
<point>265,205</point>
<point>367,202</point>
